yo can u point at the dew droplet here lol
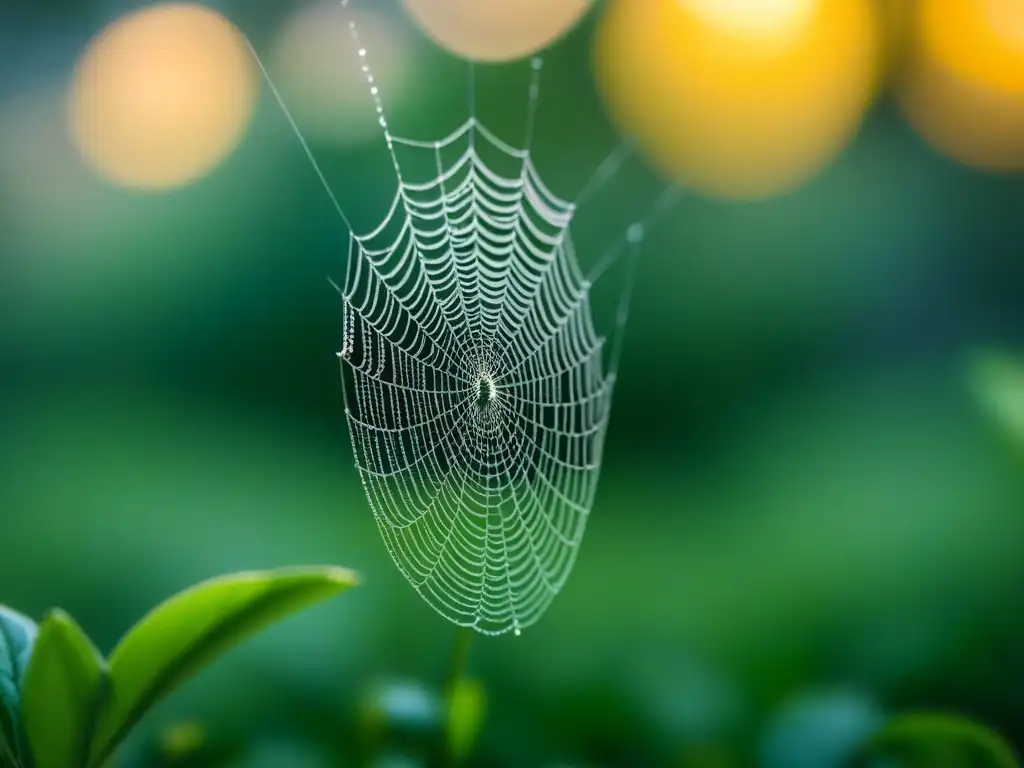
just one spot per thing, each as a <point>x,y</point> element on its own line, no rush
<point>518,631</point>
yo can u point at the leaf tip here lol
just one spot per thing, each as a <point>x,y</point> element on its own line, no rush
<point>332,574</point>
<point>345,576</point>
<point>57,616</point>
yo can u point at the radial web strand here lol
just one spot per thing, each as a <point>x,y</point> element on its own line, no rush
<point>477,390</point>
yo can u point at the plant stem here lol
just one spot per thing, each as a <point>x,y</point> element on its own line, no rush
<point>457,666</point>
<point>459,658</point>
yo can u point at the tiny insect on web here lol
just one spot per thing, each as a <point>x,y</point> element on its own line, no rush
<point>477,391</point>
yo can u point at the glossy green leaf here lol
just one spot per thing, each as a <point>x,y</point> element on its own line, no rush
<point>467,705</point>
<point>17,637</point>
<point>927,739</point>
<point>192,628</point>
<point>998,382</point>
<point>63,686</point>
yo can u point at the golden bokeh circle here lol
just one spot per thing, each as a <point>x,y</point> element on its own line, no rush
<point>963,84</point>
<point>496,30</point>
<point>162,95</point>
<point>735,106</point>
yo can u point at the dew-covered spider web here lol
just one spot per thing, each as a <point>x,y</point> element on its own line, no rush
<point>477,390</point>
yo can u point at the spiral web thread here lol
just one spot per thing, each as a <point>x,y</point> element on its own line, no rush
<point>477,390</point>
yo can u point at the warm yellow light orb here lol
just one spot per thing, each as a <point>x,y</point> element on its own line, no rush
<point>963,88</point>
<point>316,65</point>
<point>496,30</point>
<point>739,98</point>
<point>772,22</point>
<point>162,95</point>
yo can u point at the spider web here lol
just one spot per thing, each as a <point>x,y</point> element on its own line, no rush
<point>477,391</point>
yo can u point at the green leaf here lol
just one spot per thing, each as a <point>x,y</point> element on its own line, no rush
<point>17,636</point>
<point>467,704</point>
<point>927,739</point>
<point>998,382</point>
<point>9,737</point>
<point>63,686</point>
<point>192,628</point>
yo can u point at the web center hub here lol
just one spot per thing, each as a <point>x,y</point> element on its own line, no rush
<point>486,391</point>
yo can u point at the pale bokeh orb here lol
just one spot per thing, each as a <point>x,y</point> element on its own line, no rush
<point>963,85</point>
<point>162,95</point>
<point>496,30</point>
<point>317,68</point>
<point>739,98</point>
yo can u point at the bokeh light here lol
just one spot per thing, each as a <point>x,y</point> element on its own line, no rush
<point>162,95</point>
<point>315,65</point>
<point>496,30</point>
<point>963,85</point>
<point>739,99</point>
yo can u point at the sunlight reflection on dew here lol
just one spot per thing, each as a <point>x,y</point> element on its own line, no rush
<point>162,95</point>
<point>312,62</point>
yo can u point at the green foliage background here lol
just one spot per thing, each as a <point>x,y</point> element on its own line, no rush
<point>804,507</point>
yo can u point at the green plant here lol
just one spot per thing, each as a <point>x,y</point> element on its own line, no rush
<point>997,381</point>
<point>426,724</point>
<point>935,740</point>
<point>62,705</point>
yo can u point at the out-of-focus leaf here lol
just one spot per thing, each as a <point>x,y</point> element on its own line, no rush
<point>998,382</point>
<point>284,753</point>
<point>182,740</point>
<point>820,729</point>
<point>189,630</point>
<point>63,685</point>
<point>402,713</point>
<point>467,705</point>
<point>9,749</point>
<point>17,636</point>
<point>711,756</point>
<point>927,740</point>
<point>394,759</point>
<point>191,744</point>
<point>8,753</point>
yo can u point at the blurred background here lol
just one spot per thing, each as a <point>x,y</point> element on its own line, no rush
<point>805,520</point>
